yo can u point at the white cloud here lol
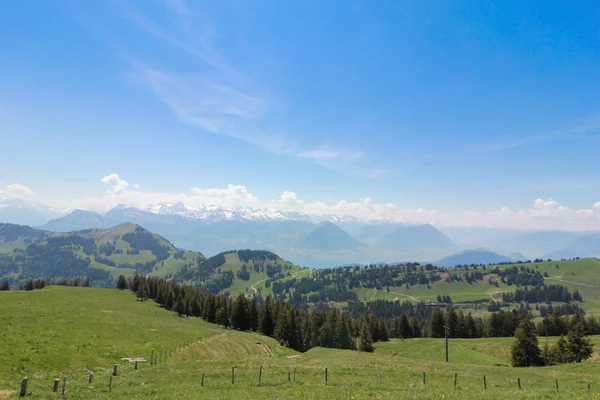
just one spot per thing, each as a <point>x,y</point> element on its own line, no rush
<point>326,153</point>
<point>290,199</point>
<point>16,191</point>
<point>544,214</point>
<point>115,183</point>
<point>231,195</point>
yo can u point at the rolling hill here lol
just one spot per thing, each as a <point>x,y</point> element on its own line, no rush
<point>102,255</point>
<point>65,332</point>
<point>476,256</point>
<point>241,271</point>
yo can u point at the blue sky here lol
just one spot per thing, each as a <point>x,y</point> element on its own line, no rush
<point>449,107</point>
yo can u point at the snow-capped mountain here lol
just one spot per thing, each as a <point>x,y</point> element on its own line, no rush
<point>20,212</point>
<point>210,213</point>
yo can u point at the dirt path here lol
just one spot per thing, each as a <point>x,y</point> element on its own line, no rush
<point>496,292</point>
<point>405,295</point>
<point>253,288</point>
<point>572,283</point>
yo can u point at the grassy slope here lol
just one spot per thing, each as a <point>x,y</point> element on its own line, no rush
<point>586,280</point>
<point>257,279</point>
<point>68,331</point>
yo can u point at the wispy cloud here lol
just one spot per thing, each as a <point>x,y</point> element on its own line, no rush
<point>16,191</point>
<point>218,98</point>
<point>580,131</point>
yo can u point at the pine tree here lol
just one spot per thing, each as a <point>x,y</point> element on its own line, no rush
<point>451,322</point>
<point>142,292</point>
<point>382,329</point>
<point>170,299</point>
<point>436,323</point>
<point>558,353</point>
<point>253,309</point>
<point>281,328</point>
<point>579,347</point>
<point>5,286</point>
<point>525,351</point>
<point>180,306</point>
<point>160,295</point>
<point>122,283</point>
<point>405,329</point>
<point>327,331</point>
<point>135,283</point>
<point>240,314</point>
<point>209,310</point>
<point>366,340</point>
<point>222,316</point>
<point>196,307</point>
<point>265,318</point>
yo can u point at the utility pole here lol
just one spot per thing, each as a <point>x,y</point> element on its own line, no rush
<point>446,336</point>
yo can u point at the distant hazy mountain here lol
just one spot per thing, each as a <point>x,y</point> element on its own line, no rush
<point>20,212</point>
<point>328,236</point>
<point>477,256</point>
<point>78,220</point>
<point>324,240</point>
<point>560,254</point>
<point>586,246</point>
<point>416,237</point>
<point>538,244</point>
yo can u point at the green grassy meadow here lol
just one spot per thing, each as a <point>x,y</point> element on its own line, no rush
<point>582,275</point>
<point>68,332</point>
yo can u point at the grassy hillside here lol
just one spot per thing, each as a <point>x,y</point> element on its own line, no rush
<point>68,332</point>
<point>27,253</point>
<point>582,275</point>
<point>472,287</point>
<point>242,271</point>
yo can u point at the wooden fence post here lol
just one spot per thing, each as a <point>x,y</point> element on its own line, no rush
<point>289,376</point>
<point>294,374</point>
<point>378,375</point>
<point>589,384</point>
<point>232,375</point>
<point>23,391</point>
<point>455,376</point>
<point>115,369</point>
<point>325,374</point>
<point>423,377</point>
<point>557,384</point>
<point>151,359</point>
<point>519,382</point>
<point>202,383</point>
<point>55,386</point>
<point>110,383</point>
<point>259,374</point>
<point>64,386</point>
<point>484,383</point>
<point>136,365</point>
<point>91,378</point>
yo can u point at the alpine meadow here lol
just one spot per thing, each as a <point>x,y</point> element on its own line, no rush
<point>299,200</point>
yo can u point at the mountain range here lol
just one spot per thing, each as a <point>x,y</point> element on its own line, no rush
<point>316,241</point>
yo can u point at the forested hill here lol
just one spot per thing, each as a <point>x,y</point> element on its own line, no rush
<point>100,254</point>
<point>241,271</point>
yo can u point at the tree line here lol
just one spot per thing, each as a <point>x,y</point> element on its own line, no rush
<point>293,327</point>
<point>526,351</point>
